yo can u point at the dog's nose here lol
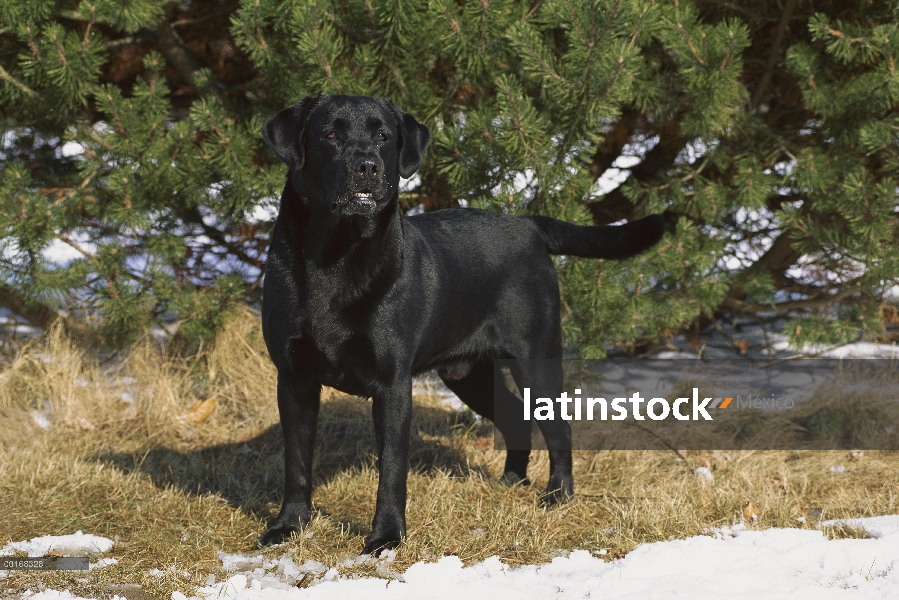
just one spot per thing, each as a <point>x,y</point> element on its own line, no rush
<point>365,167</point>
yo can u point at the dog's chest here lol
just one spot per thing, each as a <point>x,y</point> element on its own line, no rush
<point>335,353</point>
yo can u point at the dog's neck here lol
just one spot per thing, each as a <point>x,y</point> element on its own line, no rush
<point>364,251</point>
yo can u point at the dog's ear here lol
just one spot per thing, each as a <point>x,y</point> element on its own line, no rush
<point>413,142</point>
<point>284,133</point>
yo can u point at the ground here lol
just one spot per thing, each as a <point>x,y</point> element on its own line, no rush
<point>123,448</point>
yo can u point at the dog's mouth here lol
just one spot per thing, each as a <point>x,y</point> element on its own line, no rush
<point>361,202</point>
<point>364,198</point>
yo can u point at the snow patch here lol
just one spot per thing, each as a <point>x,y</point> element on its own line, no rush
<point>704,473</point>
<point>878,527</point>
<point>56,595</point>
<point>103,562</point>
<point>72,149</point>
<point>76,544</point>
<point>729,562</point>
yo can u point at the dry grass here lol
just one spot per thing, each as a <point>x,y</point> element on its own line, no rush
<point>172,492</point>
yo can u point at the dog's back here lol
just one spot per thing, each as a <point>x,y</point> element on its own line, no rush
<point>485,277</point>
<point>498,235</point>
<point>490,284</point>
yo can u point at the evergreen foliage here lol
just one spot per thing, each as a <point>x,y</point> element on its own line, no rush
<point>767,134</point>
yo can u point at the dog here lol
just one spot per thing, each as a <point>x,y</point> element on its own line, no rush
<point>360,297</point>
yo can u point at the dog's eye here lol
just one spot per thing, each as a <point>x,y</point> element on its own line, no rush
<point>331,135</point>
<point>382,137</point>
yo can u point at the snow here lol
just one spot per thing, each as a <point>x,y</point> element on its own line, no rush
<point>431,384</point>
<point>71,149</point>
<point>728,562</point>
<point>103,562</point>
<point>41,419</point>
<point>860,350</point>
<point>764,343</point>
<point>704,473</point>
<point>58,252</point>
<point>893,293</point>
<point>877,527</point>
<point>265,212</point>
<point>76,544</point>
<point>56,595</point>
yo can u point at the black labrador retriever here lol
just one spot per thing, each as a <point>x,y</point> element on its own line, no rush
<point>360,297</point>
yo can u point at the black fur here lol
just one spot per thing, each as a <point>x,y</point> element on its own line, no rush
<point>361,298</point>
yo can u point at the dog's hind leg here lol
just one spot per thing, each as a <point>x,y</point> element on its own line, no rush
<point>484,391</point>
<point>544,378</point>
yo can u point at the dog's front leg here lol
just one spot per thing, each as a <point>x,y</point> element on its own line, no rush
<point>298,402</point>
<point>392,412</point>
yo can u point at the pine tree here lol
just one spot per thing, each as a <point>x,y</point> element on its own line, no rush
<point>767,135</point>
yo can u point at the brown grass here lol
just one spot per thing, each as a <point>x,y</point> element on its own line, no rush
<point>172,492</point>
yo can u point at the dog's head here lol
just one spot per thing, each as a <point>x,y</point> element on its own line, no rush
<point>346,154</point>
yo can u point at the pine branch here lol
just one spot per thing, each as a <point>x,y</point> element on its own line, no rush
<point>4,74</point>
<point>547,69</point>
<point>224,11</point>
<point>613,143</point>
<point>578,109</point>
<point>820,300</point>
<point>615,206</point>
<point>689,42</point>
<point>775,262</point>
<point>177,54</point>
<point>774,57</point>
<point>218,237</point>
<point>779,257</point>
<point>35,312</point>
<point>127,41</point>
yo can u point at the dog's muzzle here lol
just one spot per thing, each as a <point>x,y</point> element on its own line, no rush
<point>365,198</point>
<point>357,202</point>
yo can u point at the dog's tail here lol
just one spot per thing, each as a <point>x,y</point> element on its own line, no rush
<point>600,241</point>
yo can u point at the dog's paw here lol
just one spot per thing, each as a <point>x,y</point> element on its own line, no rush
<point>511,479</point>
<point>559,490</point>
<point>277,533</point>
<point>375,546</point>
<point>556,496</point>
<point>386,532</point>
